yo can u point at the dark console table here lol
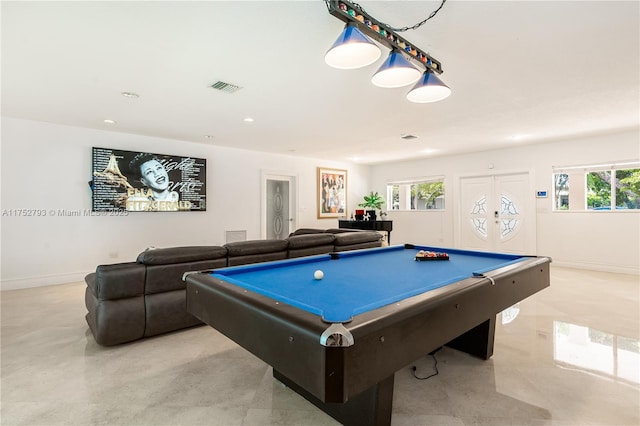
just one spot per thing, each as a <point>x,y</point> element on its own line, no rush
<point>375,225</point>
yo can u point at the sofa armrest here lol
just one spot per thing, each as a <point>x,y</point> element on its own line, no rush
<point>117,281</point>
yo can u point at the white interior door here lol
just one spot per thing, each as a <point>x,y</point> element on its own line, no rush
<point>278,206</point>
<point>495,214</point>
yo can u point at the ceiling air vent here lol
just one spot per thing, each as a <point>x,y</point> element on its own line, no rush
<point>225,87</point>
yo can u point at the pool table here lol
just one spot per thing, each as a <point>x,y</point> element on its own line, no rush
<point>339,340</point>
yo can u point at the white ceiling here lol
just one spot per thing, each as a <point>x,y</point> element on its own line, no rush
<point>521,72</point>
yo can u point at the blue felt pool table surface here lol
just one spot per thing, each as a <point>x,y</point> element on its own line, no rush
<point>359,281</point>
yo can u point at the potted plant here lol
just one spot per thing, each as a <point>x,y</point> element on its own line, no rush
<point>372,202</point>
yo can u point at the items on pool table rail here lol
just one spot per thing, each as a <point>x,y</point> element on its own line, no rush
<point>431,255</point>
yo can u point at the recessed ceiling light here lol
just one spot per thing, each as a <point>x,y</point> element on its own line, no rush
<point>107,121</point>
<point>408,136</point>
<point>248,120</point>
<point>209,136</point>
<point>130,95</point>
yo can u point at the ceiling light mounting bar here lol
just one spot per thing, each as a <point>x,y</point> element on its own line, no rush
<point>351,14</point>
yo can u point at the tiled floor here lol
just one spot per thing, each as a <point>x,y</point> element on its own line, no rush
<point>566,356</point>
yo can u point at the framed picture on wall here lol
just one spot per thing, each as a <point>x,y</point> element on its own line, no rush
<point>332,193</point>
<point>147,182</point>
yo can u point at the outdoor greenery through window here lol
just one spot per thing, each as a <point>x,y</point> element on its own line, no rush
<point>602,187</point>
<point>419,194</point>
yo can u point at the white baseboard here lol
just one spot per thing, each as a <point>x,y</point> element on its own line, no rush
<point>41,281</point>
<point>630,270</point>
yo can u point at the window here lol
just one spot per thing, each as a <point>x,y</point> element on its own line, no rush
<point>418,194</point>
<point>599,190</point>
<point>561,191</point>
<point>609,187</point>
<point>627,189</point>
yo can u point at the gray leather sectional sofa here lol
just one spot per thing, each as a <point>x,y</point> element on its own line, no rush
<point>133,300</point>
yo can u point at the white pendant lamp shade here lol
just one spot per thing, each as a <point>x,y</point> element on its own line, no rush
<point>396,71</point>
<point>352,50</point>
<point>429,89</point>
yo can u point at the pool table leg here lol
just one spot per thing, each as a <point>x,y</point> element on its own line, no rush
<point>369,408</point>
<point>478,341</point>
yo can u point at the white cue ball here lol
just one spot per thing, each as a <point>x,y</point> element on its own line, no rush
<point>318,275</point>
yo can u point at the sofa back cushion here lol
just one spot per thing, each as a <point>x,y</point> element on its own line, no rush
<point>165,256</point>
<point>304,231</point>
<point>162,278</point>
<point>245,248</point>
<point>254,251</point>
<point>310,244</point>
<point>310,240</point>
<point>357,238</point>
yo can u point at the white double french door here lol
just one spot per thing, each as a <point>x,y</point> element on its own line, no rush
<point>497,213</point>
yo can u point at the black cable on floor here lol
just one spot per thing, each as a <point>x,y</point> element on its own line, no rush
<point>435,367</point>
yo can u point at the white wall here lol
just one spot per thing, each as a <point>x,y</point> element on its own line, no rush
<point>46,166</point>
<point>593,240</point>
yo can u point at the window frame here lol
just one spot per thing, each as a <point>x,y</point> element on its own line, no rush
<point>408,183</point>
<point>581,190</point>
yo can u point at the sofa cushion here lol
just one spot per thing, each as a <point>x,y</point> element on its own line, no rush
<point>304,231</point>
<point>257,258</point>
<point>310,240</point>
<point>162,278</point>
<point>252,247</point>
<point>343,230</point>
<point>163,256</point>
<point>352,238</point>
<point>310,251</point>
<point>167,312</point>
<point>115,321</point>
<point>360,246</point>
<point>116,281</point>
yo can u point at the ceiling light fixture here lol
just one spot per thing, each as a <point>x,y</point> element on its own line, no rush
<point>130,95</point>
<point>397,70</point>
<point>107,121</point>
<point>248,120</point>
<point>352,50</point>
<point>428,89</point>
